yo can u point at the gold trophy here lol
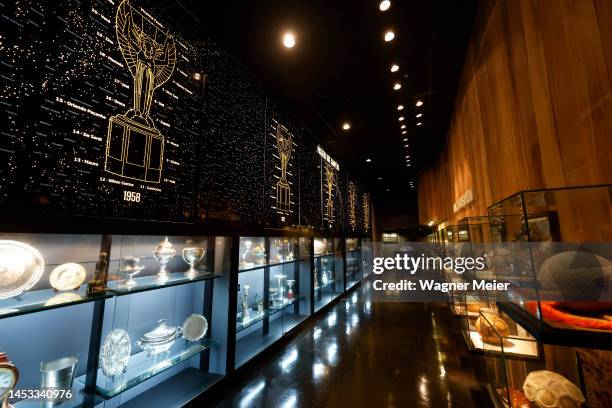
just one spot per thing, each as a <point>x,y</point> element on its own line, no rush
<point>134,147</point>
<point>329,201</point>
<point>352,202</point>
<point>284,145</point>
<point>366,211</point>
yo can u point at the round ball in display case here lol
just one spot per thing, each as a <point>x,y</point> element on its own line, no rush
<point>488,331</point>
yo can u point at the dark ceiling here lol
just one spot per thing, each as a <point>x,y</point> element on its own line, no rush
<point>339,70</point>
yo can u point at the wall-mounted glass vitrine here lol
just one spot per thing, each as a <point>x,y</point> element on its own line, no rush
<point>110,317</point>
<point>273,292</point>
<point>553,246</point>
<point>353,266</point>
<point>328,274</point>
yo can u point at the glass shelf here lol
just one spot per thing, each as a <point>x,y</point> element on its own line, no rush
<point>242,325</point>
<point>39,300</point>
<point>288,303</point>
<point>149,282</point>
<point>142,367</point>
<point>253,268</point>
<point>329,283</point>
<point>80,399</point>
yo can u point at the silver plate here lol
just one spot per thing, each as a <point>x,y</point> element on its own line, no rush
<point>68,276</point>
<point>21,266</point>
<point>115,353</point>
<point>195,327</point>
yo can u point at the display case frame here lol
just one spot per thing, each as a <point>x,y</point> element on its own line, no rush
<point>549,230</point>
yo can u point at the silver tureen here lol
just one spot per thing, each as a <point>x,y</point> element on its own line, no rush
<point>160,339</point>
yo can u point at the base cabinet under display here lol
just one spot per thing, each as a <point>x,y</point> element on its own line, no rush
<point>328,274</point>
<point>274,296</point>
<point>354,263</point>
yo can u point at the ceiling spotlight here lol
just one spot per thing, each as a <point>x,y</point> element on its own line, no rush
<point>405,139</point>
<point>368,160</point>
<point>289,40</point>
<point>380,178</point>
<point>403,127</point>
<point>419,103</point>
<point>407,156</point>
<point>419,123</point>
<point>384,5</point>
<point>346,126</point>
<point>394,68</point>
<point>388,190</point>
<point>397,86</point>
<point>389,36</point>
<point>401,118</point>
<point>404,132</point>
<point>197,76</point>
<point>400,107</point>
<point>418,115</point>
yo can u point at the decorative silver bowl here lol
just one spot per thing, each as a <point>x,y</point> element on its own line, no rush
<point>160,339</point>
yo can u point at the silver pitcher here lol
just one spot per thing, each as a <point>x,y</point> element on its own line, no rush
<point>58,374</point>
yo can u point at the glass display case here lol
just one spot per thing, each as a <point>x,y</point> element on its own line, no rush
<point>367,256</point>
<point>562,377</point>
<point>113,315</point>
<point>328,274</point>
<point>474,234</point>
<point>353,265</point>
<point>273,292</point>
<point>482,317</point>
<point>553,246</point>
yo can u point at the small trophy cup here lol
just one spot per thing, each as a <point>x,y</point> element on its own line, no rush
<point>193,255</point>
<point>290,294</point>
<point>163,252</point>
<point>284,145</point>
<point>281,289</point>
<point>130,266</point>
<point>134,147</point>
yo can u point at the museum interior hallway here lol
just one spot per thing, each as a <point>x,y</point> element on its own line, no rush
<point>361,353</point>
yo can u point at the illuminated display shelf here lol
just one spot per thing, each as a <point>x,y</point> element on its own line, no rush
<point>242,325</point>
<point>40,300</point>
<point>149,283</point>
<point>271,264</point>
<point>143,367</point>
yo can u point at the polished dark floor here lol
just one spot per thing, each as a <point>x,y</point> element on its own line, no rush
<point>366,354</point>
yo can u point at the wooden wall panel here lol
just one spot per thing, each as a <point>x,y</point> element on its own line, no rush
<point>533,109</point>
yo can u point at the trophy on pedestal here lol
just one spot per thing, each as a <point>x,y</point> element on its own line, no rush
<point>134,147</point>
<point>284,145</point>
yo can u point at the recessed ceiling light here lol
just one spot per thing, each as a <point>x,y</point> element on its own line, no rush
<point>404,132</point>
<point>407,156</point>
<point>197,76</point>
<point>403,127</point>
<point>419,103</point>
<point>380,178</point>
<point>384,5</point>
<point>346,126</point>
<point>394,68</point>
<point>401,118</point>
<point>389,36</point>
<point>400,107</point>
<point>368,160</point>
<point>388,190</point>
<point>397,86</point>
<point>418,115</point>
<point>289,39</point>
<point>405,139</point>
<point>419,123</point>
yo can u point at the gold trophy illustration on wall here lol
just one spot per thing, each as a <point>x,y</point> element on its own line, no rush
<point>134,147</point>
<point>284,145</point>
<point>366,211</point>
<point>352,202</point>
<point>329,201</point>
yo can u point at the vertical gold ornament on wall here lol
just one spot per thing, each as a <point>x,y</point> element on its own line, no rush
<point>284,145</point>
<point>366,211</point>
<point>352,204</point>
<point>330,176</point>
<point>134,147</point>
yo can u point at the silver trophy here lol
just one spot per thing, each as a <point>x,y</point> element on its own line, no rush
<point>58,374</point>
<point>130,266</point>
<point>245,304</point>
<point>163,253</point>
<point>193,255</point>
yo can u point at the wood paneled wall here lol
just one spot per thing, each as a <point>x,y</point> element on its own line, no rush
<point>533,109</point>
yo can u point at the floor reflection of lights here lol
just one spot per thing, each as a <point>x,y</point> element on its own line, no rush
<point>354,298</point>
<point>288,360</point>
<point>354,320</point>
<point>290,401</point>
<point>347,306</point>
<point>251,393</point>
<point>316,334</point>
<point>332,353</point>
<point>423,390</point>
<point>332,319</point>
<point>319,370</point>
